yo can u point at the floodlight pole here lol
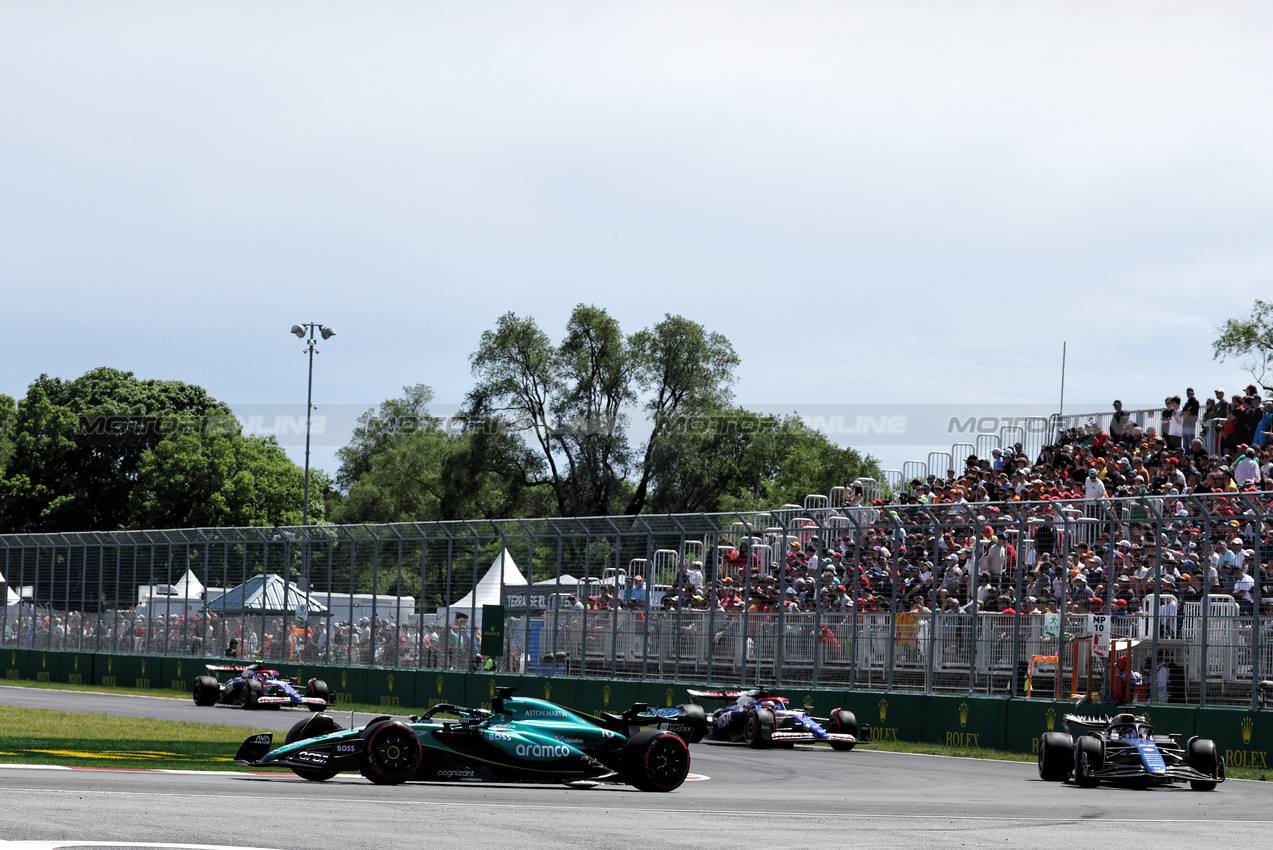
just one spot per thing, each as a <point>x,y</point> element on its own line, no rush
<point>311,348</point>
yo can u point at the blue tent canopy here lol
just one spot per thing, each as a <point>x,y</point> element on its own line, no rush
<point>268,594</point>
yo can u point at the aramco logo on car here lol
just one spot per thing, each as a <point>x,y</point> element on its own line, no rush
<point>542,751</point>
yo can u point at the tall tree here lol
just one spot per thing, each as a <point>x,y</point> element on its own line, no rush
<point>595,383</point>
<point>687,372</point>
<point>1250,338</point>
<point>518,384</point>
<point>568,399</point>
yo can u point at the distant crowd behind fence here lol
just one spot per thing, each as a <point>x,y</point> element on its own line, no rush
<point>865,603</point>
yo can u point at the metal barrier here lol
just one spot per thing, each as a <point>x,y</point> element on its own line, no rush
<point>877,610</point>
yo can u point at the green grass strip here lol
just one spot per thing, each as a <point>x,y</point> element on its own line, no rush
<point>46,736</point>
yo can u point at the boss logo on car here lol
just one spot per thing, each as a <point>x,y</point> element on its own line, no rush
<point>346,748</point>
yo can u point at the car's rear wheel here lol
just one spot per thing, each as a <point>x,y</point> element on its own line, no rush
<point>318,688</point>
<point>1056,756</point>
<point>206,691</point>
<point>758,728</point>
<point>1204,757</point>
<point>250,693</point>
<point>393,753</point>
<point>655,760</point>
<point>314,726</point>
<point>1091,758</point>
<point>843,722</point>
<point>694,716</point>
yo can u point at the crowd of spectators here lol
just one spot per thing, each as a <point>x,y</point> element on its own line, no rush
<point>1038,557</point>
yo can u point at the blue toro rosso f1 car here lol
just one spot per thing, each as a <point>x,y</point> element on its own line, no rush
<point>256,686</point>
<point>1123,749</point>
<point>516,740</point>
<point>760,719</point>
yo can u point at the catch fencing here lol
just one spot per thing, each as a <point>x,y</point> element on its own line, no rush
<point>879,616</point>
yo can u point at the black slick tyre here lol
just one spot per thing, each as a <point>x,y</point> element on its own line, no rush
<point>758,728</point>
<point>392,754</point>
<point>1091,758</point>
<point>843,722</point>
<point>314,726</point>
<point>1204,758</point>
<point>1056,756</point>
<point>695,717</point>
<point>206,691</point>
<point>655,760</point>
<point>318,688</point>
<point>251,692</point>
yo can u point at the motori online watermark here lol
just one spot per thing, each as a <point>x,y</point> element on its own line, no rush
<point>847,424</point>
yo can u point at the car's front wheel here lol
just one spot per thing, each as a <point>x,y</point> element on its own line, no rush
<point>843,722</point>
<point>250,693</point>
<point>314,726</point>
<point>654,760</point>
<point>1205,758</point>
<point>318,688</point>
<point>1091,758</point>
<point>393,753</point>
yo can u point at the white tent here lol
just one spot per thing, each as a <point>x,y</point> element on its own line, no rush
<point>189,587</point>
<point>487,591</point>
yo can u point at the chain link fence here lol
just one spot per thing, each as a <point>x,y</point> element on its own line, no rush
<point>1155,599</point>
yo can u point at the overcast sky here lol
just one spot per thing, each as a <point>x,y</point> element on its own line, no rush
<point>877,202</point>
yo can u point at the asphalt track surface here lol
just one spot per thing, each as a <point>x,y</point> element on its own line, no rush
<point>807,797</point>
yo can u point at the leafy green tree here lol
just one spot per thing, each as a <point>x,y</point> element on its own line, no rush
<point>403,465</point>
<point>205,477</point>
<point>97,453</point>
<point>569,399</point>
<point>8,418</point>
<point>732,459</point>
<point>1250,338</point>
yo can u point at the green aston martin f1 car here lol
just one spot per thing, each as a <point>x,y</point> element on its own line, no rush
<point>516,740</point>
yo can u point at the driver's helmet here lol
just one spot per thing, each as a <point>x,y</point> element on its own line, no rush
<point>1123,726</point>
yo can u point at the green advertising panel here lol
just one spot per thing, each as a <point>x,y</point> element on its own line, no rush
<point>347,684</point>
<point>971,723</point>
<point>17,664</point>
<point>436,686</point>
<point>1026,720</point>
<point>392,690</point>
<point>892,716</point>
<point>1244,738</point>
<point>178,673</point>
<point>493,630</point>
<point>44,665</point>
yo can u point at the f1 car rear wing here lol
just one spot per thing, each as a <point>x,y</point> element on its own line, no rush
<point>226,668</point>
<point>695,695</point>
